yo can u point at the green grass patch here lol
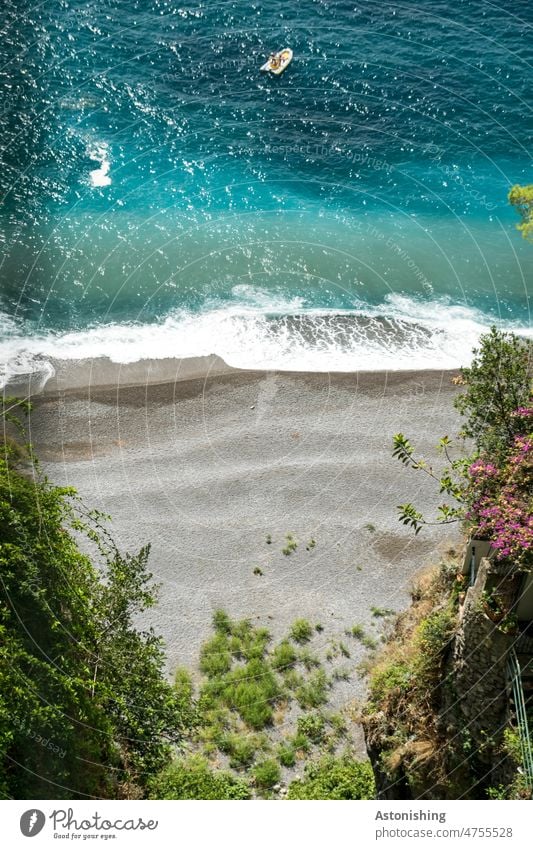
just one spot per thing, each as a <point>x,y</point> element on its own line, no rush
<point>382,611</point>
<point>312,693</point>
<point>301,631</point>
<point>267,774</point>
<point>286,755</point>
<point>284,656</point>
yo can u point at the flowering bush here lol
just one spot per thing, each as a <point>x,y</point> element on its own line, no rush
<point>501,499</point>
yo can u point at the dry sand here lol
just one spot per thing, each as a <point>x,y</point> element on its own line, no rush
<point>204,468</point>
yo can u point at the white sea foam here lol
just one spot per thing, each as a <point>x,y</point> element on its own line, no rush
<point>260,333</point>
<point>99,152</point>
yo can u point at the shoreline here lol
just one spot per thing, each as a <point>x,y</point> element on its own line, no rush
<point>102,374</point>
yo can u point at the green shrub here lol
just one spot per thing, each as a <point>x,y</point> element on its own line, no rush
<point>286,755</point>
<point>292,679</point>
<point>396,675</point>
<point>215,657</point>
<point>284,656</point>
<point>193,779</point>
<point>221,622</point>
<point>291,545</point>
<point>267,774</point>
<point>183,685</point>
<point>335,778</point>
<point>240,748</point>
<point>301,743</point>
<point>312,726</point>
<point>251,690</point>
<point>301,631</point>
<point>313,692</point>
<point>357,632</point>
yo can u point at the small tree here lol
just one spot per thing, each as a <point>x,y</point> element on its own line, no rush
<point>521,197</point>
<point>495,407</point>
<point>498,382</point>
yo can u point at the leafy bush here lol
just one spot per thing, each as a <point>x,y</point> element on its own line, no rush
<point>193,779</point>
<point>312,726</point>
<point>267,774</point>
<point>67,624</point>
<point>335,778</point>
<point>301,631</point>
<point>240,748</point>
<point>497,382</point>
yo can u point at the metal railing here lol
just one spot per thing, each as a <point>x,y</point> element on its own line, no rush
<point>515,675</point>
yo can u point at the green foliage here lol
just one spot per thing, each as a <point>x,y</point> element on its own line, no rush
<point>193,779</point>
<point>301,631</point>
<point>301,742</point>
<point>497,383</point>
<point>241,748</point>
<point>335,778</point>
<point>521,197</point>
<point>338,724</point>
<point>284,656</point>
<point>221,622</point>
<point>84,704</point>
<point>313,692</point>
<point>215,657</point>
<point>286,755</point>
<point>267,774</point>
<point>357,632</point>
<point>312,726</point>
<point>381,612</point>
<point>290,545</point>
<point>251,690</point>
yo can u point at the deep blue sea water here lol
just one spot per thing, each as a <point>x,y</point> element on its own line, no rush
<point>162,197</point>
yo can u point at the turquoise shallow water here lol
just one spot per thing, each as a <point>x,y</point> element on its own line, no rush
<point>161,197</point>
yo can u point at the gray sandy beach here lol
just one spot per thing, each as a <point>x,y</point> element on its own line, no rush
<point>204,464</point>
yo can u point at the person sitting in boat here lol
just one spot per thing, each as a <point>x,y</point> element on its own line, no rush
<point>274,61</point>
